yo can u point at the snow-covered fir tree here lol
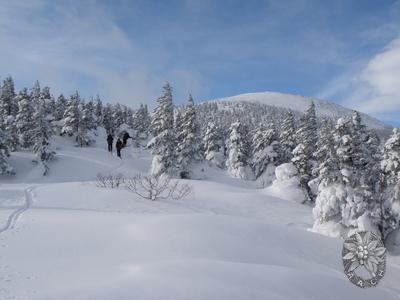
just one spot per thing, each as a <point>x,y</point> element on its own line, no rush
<point>108,122</point>
<point>72,116</point>
<point>8,111</point>
<point>8,106</point>
<point>140,122</point>
<point>61,106</point>
<point>390,183</point>
<point>41,135</point>
<point>303,153</point>
<point>98,111</point>
<point>84,123</point>
<point>287,138</point>
<point>357,195</point>
<point>88,115</point>
<point>5,167</point>
<point>188,148</point>
<point>117,116</point>
<point>47,101</point>
<point>24,119</point>
<point>35,93</point>
<point>264,145</point>
<point>162,129</point>
<point>213,145</point>
<point>238,152</point>
<point>328,185</point>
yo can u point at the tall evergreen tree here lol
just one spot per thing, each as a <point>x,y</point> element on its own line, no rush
<point>117,116</point>
<point>330,198</point>
<point>213,145</point>
<point>108,122</point>
<point>41,135</point>
<point>304,152</point>
<point>98,111</point>
<point>188,140</point>
<point>24,119</point>
<point>83,125</point>
<point>61,106</point>
<point>390,183</point>
<point>5,167</point>
<point>162,128</point>
<point>287,138</point>
<point>72,116</point>
<point>8,107</point>
<point>238,148</point>
<point>264,145</point>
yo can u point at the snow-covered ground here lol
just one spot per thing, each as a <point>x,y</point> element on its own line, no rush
<point>62,237</point>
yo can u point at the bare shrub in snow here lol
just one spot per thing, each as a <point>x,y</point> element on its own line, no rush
<point>109,181</point>
<point>157,187</point>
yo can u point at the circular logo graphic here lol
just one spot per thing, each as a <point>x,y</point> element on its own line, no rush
<point>364,255</point>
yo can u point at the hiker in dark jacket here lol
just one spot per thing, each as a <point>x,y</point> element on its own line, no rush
<point>110,140</point>
<point>119,146</point>
<point>125,138</point>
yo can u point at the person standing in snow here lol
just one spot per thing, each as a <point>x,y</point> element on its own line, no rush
<point>125,138</point>
<point>110,140</point>
<point>119,146</point>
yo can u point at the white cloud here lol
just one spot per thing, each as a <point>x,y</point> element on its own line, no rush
<point>375,87</point>
<point>78,45</point>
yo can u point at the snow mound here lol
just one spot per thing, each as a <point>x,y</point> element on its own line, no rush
<point>287,184</point>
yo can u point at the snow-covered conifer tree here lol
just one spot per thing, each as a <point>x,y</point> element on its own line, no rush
<point>163,141</point>
<point>188,140</point>
<point>41,135</point>
<point>8,111</point>
<point>72,116</point>
<point>390,183</point>
<point>98,111</point>
<point>108,122</point>
<point>5,167</point>
<point>287,138</point>
<point>24,119</point>
<point>213,145</point>
<point>329,185</point>
<point>304,151</point>
<point>83,125</point>
<point>117,116</point>
<point>238,151</point>
<point>264,147</point>
<point>8,106</point>
<point>61,106</point>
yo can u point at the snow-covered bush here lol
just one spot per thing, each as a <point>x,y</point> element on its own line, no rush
<point>157,187</point>
<point>110,180</point>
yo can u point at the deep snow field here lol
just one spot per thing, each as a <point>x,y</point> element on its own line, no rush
<point>62,237</point>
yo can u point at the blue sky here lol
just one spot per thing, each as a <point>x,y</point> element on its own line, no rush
<point>346,51</point>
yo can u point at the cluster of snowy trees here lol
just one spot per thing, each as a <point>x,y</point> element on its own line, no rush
<point>29,119</point>
<point>346,174</point>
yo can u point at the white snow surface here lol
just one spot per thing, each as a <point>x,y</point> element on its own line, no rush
<point>62,237</point>
<point>301,103</point>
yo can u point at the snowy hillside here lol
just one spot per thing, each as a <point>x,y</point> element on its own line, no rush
<point>62,237</point>
<point>300,103</point>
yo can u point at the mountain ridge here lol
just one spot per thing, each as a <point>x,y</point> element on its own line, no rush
<point>300,103</point>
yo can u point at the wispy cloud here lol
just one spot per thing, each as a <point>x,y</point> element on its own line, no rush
<point>72,45</point>
<point>375,87</point>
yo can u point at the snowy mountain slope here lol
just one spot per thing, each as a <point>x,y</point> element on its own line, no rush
<point>300,103</point>
<point>69,239</point>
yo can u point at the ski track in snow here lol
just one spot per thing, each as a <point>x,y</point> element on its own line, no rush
<point>13,218</point>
